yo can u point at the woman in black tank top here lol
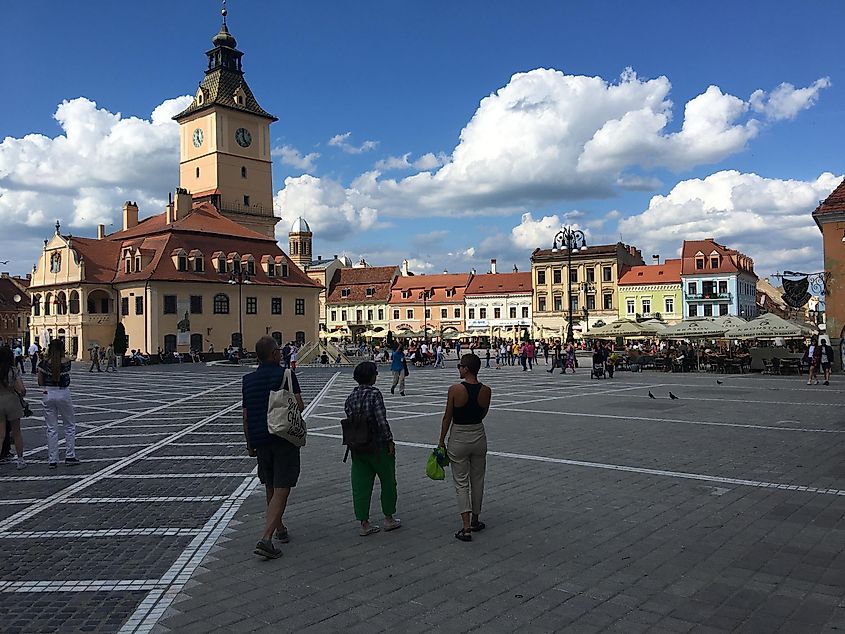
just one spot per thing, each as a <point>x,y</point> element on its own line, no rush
<point>472,413</point>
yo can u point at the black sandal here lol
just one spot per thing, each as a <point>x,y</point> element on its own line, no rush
<point>477,527</point>
<point>464,536</point>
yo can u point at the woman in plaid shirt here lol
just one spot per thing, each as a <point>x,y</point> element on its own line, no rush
<point>379,460</point>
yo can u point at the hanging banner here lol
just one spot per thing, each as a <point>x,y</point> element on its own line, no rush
<point>795,292</point>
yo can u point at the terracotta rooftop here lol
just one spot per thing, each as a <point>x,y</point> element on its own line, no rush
<point>357,281</point>
<point>667,273</point>
<point>439,287</point>
<point>499,283</point>
<point>203,218</point>
<point>835,203</point>
<point>589,252</point>
<point>8,290</point>
<point>730,260</point>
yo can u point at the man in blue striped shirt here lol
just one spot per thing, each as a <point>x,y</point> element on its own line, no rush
<point>278,459</point>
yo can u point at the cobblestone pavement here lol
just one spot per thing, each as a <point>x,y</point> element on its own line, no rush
<point>607,510</point>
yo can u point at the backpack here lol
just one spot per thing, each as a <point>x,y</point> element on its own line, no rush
<point>357,434</point>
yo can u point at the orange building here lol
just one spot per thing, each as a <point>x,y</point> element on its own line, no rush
<point>433,300</point>
<point>830,218</point>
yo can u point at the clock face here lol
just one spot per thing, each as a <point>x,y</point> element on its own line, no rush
<point>243,137</point>
<point>197,137</point>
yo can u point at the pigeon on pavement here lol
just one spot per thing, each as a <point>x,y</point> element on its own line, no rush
<point>673,397</point>
<point>718,382</point>
<point>650,395</point>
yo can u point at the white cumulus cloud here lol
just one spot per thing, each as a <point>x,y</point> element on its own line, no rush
<point>766,218</point>
<point>786,101</point>
<point>289,155</point>
<point>427,161</point>
<point>342,141</point>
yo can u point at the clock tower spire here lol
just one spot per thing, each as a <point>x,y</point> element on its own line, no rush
<point>225,141</point>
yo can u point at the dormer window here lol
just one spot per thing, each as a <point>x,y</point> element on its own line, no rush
<point>371,291</point>
<point>236,266</point>
<point>250,266</point>
<point>699,264</point>
<point>345,292</point>
<point>197,260</point>
<point>182,262</point>
<point>406,294</point>
<point>271,269</point>
<point>450,292</point>
<point>138,263</point>
<point>714,261</point>
<point>239,96</point>
<point>284,269</point>
<point>127,264</point>
<point>221,265</point>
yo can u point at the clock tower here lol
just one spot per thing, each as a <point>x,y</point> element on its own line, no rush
<point>225,141</point>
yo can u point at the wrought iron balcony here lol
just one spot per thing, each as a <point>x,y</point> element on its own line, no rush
<point>705,296</point>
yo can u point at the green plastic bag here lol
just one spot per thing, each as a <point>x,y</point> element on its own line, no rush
<point>436,461</point>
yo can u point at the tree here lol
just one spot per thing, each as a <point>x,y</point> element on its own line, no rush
<point>121,342</point>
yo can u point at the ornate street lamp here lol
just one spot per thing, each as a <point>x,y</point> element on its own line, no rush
<point>240,277</point>
<point>569,239</point>
<point>424,296</point>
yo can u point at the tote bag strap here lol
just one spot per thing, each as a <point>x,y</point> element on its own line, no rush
<point>286,380</point>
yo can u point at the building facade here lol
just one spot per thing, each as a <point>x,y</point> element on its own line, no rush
<point>435,301</point>
<point>358,297</point>
<point>499,304</point>
<point>591,284</point>
<point>207,271</point>
<point>717,280</point>
<point>651,291</point>
<point>14,310</point>
<point>830,219</point>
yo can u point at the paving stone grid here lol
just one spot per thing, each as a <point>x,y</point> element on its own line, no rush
<point>606,511</point>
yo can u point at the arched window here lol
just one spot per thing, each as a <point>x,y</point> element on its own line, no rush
<point>198,172</point>
<point>243,172</point>
<point>169,343</point>
<point>74,302</point>
<point>36,305</point>
<point>196,342</point>
<point>221,304</point>
<point>182,261</point>
<point>277,336</point>
<point>61,303</point>
<point>300,337</point>
<point>48,299</point>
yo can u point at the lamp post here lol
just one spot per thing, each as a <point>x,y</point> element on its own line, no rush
<point>424,295</point>
<point>569,239</point>
<point>240,277</point>
<point>586,318</point>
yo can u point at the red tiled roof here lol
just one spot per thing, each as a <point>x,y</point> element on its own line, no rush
<point>100,257</point>
<point>667,273</point>
<point>437,285</point>
<point>730,260</point>
<point>499,283</point>
<point>358,280</point>
<point>8,291</point>
<point>835,203</point>
<point>203,218</point>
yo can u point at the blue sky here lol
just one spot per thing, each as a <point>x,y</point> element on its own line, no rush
<point>637,120</point>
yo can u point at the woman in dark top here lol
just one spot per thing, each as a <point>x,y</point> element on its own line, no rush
<point>12,390</point>
<point>466,406</point>
<point>54,377</point>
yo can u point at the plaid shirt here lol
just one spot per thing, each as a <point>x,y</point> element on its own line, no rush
<point>366,399</point>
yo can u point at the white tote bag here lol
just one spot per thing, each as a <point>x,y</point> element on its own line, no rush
<point>283,416</point>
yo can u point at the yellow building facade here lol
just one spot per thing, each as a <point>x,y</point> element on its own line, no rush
<point>652,291</point>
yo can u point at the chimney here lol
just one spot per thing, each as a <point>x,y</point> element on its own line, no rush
<point>404,269</point>
<point>655,258</point>
<point>493,265</point>
<point>130,215</point>
<point>184,202</point>
<point>101,232</point>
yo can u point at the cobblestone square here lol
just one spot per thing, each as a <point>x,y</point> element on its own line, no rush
<point>606,510</point>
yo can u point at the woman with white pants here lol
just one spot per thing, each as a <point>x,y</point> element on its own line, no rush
<point>54,377</point>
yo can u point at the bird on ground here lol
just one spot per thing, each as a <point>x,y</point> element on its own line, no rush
<point>650,395</point>
<point>673,397</point>
<point>718,382</point>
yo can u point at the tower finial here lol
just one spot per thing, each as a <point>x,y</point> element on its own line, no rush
<point>58,226</point>
<point>223,12</point>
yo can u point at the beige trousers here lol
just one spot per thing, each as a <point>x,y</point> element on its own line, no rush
<point>467,451</point>
<point>399,379</point>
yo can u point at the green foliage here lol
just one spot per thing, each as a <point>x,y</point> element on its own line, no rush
<point>121,341</point>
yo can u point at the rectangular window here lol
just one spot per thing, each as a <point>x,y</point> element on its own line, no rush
<point>457,313</point>
<point>406,294</point>
<point>512,312</point>
<point>199,265</point>
<point>343,315</point>
<point>723,309</point>
<point>251,305</point>
<point>708,310</point>
<point>196,304</point>
<point>395,313</point>
<point>669,305</point>
<point>608,301</point>
<point>591,301</point>
<point>497,313</point>
<point>541,276</point>
<point>334,312</point>
<point>139,305</point>
<point>558,303</point>
<point>525,312</point>
<point>170,304</point>
<point>183,262</point>
<point>692,288</point>
<point>124,305</point>
<point>714,262</point>
<point>428,313</point>
<point>250,267</point>
<point>381,314</point>
<point>409,313</point>
<point>284,269</point>
<point>646,307</point>
<point>723,286</point>
<point>556,276</point>
<point>246,201</point>
<point>573,303</point>
<point>541,303</point>
<point>630,306</point>
<point>299,308</point>
<point>471,313</point>
<point>444,313</point>
<point>573,276</point>
<point>607,273</point>
<point>692,310</point>
<point>345,292</point>
<point>359,316</point>
<point>591,274</point>
<point>276,307</point>
<point>369,314</point>
<point>699,263</point>
<point>482,313</point>
<point>371,291</point>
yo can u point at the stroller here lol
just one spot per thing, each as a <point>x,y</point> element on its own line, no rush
<point>597,372</point>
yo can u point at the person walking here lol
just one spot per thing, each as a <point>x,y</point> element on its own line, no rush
<point>379,459</point>
<point>531,354</point>
<point>95,358</point>
<point>12,390</point>
<point>487,358</point>
<point>826,359</point>
<point>17,353</point>
<point>523,357</point>
<point>399,368</point>
<point>54,377</point>
<point>278,459</point>
<point>33,356</point>
<point>814,357</point>
<point>111,359</point>
<point>467,404</point>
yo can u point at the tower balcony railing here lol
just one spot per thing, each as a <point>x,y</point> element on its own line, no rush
<point>239,208</point>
